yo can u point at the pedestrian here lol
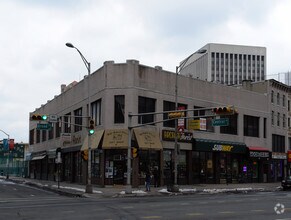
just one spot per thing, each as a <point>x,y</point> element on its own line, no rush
<point>148,181</point>
<point>156,177</point>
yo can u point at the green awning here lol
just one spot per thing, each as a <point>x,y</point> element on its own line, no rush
<point>219,146</point>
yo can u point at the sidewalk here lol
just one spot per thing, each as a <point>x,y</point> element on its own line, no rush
<point>77,190</point>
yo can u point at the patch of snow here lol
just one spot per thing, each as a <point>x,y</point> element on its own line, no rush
<point>164,191</point>
<point>6,182</point>
<point>187,190</point>
<point>134,192</point>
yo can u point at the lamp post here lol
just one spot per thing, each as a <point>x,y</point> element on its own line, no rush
<point>178,69</point>
<point>89,188</point>
<point>8,138</point>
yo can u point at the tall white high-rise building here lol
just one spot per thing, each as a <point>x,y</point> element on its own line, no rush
<point>227,64</point>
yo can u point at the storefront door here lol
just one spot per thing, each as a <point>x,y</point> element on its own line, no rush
<point>118,172</point>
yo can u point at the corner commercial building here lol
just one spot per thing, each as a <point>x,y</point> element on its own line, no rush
<point>240,152</point>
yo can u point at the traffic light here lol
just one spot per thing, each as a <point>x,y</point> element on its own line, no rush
<point>176,114</point>
<point>84,155</point>
<point>39,117</point>
<point>223,110</point>
<point>91,126</point>
<point>134,152</point>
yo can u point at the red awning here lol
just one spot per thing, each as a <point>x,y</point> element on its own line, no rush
<point>254,148</point>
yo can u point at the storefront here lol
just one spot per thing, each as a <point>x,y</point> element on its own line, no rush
<point>215,161</point>
<point>278,166</point>
<point>184,140</point>
<point>149,154</point>
<point>113,159</point>
<point>257,169</point>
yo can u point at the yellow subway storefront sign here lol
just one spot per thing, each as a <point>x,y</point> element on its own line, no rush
<point>207,145</point>
<point>221,147</point>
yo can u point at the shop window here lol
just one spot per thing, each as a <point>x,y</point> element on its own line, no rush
<point>146,105</point>
<point>119,103</point>
<point>148,161</point>
<point>167,166</point>
<point>251,126</point>
<point>182,165</point>
<point>96,163</point>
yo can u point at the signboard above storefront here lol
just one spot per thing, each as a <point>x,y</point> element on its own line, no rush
<point>168,135</point>
<point>207,145</point>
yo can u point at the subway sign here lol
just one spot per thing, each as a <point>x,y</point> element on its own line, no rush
<point>222,147</point>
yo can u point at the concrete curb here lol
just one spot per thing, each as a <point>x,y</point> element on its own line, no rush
<point>205,191</point>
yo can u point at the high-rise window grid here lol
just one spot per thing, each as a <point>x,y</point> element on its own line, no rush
<point>232,68</point>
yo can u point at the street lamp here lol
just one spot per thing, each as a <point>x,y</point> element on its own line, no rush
<point>89,188</point>
<point>178,69</point>
<point>8,138</point>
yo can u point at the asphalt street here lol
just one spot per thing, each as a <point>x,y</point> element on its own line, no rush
<point>20,201</point>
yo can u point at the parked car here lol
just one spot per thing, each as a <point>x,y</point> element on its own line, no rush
<point>286,183</point>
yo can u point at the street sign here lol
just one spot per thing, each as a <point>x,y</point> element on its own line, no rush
<point>220,122</point>
<point>193,124</point>
<point>43,126</point>
<point>53,118</point>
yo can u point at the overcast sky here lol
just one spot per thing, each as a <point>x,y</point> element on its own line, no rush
<point>35,61</point>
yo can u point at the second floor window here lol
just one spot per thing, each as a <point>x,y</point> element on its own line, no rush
<point>251,126</point>
<point>232,128</point>
<point>44,133</point>
<point>78,119</point>
<point>67,123</point>
<point>31,136</point>
<point>146,105</point>
<point>96,112</point>
<point>119,102</point>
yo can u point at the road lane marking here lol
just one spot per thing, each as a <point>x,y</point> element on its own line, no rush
<point>152,217</point>
<point>202,203</point>
<point>127,207</point>
<point>221,201</point>
<point>226,212</point>
<point>258,210</point>
<point>195,214</point>
<point>68,211</point>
